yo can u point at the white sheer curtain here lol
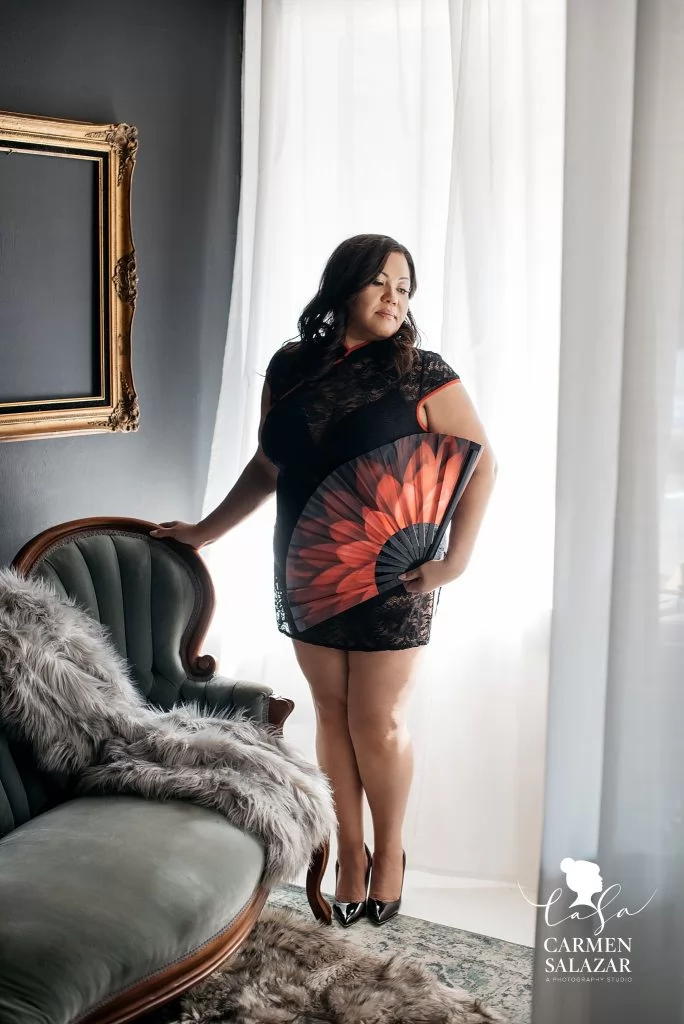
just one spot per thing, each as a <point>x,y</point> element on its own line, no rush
<point>615,767</point>
<point>531,156</point>
<point>440,124</point>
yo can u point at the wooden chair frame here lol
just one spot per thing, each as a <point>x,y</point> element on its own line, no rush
<point>168,984</point>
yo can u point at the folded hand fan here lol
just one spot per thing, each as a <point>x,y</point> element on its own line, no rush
<point>373,518</point>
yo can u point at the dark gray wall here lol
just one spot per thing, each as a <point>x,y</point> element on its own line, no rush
<point>172,68</point>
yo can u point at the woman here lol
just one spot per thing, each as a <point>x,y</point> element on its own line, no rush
<point>355,380</point>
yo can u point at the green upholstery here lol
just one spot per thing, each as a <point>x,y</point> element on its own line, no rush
<point>24,792</point>
<point>148,598</point>
<point>141,592</point>
<point>103,892</point>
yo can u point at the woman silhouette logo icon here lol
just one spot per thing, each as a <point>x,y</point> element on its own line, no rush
<point>584,878</point>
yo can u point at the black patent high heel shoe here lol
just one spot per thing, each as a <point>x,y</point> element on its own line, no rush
<point>348,913</point>
<point>380,911</point>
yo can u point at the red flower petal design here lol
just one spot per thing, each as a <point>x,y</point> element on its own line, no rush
<point>356,511</point>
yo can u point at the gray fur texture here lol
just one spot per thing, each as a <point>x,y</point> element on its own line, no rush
<point>290,969</point>
<point>65,690</point>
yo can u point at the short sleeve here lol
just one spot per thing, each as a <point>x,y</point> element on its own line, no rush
<point>273,373</point>
<point>435,373</point>
<point>279,373</point>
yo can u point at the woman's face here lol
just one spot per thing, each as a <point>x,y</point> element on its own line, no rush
<point>388,293</point>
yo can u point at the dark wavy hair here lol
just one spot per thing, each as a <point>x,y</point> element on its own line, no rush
<point>322,325</point>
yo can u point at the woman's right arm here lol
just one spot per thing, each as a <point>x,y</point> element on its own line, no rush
<point>254,486</point>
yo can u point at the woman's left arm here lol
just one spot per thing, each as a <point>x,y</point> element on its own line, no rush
<point>451,411</point>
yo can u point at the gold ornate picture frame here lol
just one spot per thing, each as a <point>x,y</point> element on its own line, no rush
<point>103,159</point>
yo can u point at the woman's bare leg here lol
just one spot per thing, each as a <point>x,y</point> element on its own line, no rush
<point>378,690</point>
<point>326,672</point>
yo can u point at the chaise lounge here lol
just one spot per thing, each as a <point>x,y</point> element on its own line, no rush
<point>113,905</point>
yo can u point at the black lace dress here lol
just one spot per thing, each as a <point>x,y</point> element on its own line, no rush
<point>310,430</point>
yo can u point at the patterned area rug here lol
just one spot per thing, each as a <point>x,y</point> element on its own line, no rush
<point>488,979</point>
<point>497,972</point>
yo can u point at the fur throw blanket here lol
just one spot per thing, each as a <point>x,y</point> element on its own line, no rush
<point>67,693</point>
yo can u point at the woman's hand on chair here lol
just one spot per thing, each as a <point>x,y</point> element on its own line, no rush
<point>185,533</point>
